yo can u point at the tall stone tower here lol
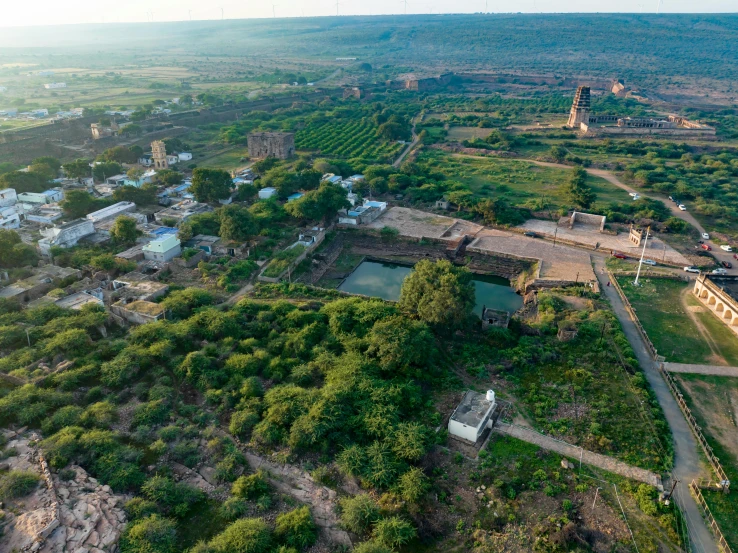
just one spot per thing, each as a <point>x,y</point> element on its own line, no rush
<point>580,108</point>
<point>159,153</point>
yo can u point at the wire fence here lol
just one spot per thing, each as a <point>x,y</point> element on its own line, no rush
<point>631,311</point>
<point>696,487</point>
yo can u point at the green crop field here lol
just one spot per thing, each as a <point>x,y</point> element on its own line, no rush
<point>347,139</point>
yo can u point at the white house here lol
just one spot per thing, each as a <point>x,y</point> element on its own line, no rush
<point>55,85</point>
<point>8,197</point>
<point>66,235</point>
<point>50,196</point>
<point>172,159</point>
<point>146,160</point>
<point>185,156</point>
<point>266,193</point>
<point>9,218</point>
<point>471,418</point>
<point>40,112</point>
<point>111,211</point>
<point>163,248</point>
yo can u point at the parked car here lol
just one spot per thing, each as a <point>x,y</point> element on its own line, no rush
<point>620,255</point>
<point>726,248</point>
<point>735,256</point>
<point>530,234</point>
<point>727,264</point>
<point>682,207</point>
<point>719,271</point>
<point>705,236</point>
<point>691,269</point>
<point>636,196</point>
<point>706,247</point>
<point>649,262</point>
<point>672,199</point>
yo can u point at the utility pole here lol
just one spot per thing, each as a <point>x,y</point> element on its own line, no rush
<point>668,497</point>
<point>595,499</point>
<point>640,264</point>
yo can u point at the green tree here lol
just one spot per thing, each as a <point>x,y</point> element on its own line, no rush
<point>247,535</point>
<point>144,195</point>
<point>211,185</point>
<point>439,293</point>
<point>359,513</point>
<point>393,532</point>
<point>286,182</point>
<point>135,173</point>
<point>24,182</point>
<point>119,154</point>
<point>236,223</point>
<point>321,204</point>
<point>77,169</point>
<point>152,534</point>
<point>296,528</point>
<point>169,177</point>
<point>106,169</point>
<point>78,203</point>
<point>124,230</point>
<point>252,486</point>
<point>413,485</point>
<point>14,252</point>
<point>577,191</point>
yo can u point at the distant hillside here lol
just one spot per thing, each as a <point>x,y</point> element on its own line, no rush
<point>633,46</point>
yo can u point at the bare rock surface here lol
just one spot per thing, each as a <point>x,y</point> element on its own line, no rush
<point>78,514</point>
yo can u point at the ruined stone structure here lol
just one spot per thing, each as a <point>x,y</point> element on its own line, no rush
<point>588,219</point>
<point>353,92</point>
<point>636,235</point>
<point>159,155</point>
<point>618,88</point>
<point>101,131</point>
<point>271,144</point>
<point>720,295</point>
<point>580,108</point>
<point>494,318</point>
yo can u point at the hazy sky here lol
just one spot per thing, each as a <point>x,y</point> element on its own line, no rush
<point>53,12</point>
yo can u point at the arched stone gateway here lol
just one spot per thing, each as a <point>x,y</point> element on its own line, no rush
<point>720,294</point>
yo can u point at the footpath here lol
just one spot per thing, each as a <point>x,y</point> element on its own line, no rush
<point>575,452</point>
<point>689,368</point>
<point>687,462</point>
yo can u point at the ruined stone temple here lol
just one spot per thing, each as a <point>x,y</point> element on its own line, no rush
<point>271,144</point>
<point>580,108</point>
<point>159,155</point>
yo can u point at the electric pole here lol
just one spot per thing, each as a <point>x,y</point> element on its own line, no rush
<point>640,264</point>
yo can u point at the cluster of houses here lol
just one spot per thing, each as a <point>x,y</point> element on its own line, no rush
<point>42,113</point>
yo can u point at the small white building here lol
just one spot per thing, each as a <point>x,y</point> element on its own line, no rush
<point>172,159</point>
<point>111,211</point>
<point>50,196</point>
<point>9,218</point>
<point>8,197</point>
<point>266,193</point>
<point>185,156</point>
<point>471,418</point>
<point>163,248</point>
<point>55,85</point>
<point>66,235</point>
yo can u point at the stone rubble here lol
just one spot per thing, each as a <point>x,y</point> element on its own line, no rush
<point>78,515</point>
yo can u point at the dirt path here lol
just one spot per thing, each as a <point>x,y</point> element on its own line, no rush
<point>689,368</point>
<point>706,336</point>
<point>575,452</point>
<point>410,146</point>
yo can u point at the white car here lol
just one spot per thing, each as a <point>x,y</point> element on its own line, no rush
<point>705,236</point>
<point>634,194</point>
<point>691,269</point>
<point>649,262</point>
<point>720,271</point>
<point>726,248</point>
<point>682,207</point>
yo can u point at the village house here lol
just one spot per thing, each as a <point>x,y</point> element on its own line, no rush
<point>111,211</point>
<point>53,195</point>
<point>66,235</point>
<point>164,248</point>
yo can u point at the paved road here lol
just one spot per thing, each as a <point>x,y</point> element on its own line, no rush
<point>689,368</point>
<point>410,146</point>
<point>575,452</point>
<point>686,216</point>
<point>687,461</point>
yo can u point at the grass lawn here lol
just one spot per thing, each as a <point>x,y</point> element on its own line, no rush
<point>467,133</point>
<point>524,184</point>
<point>228,160</point>
<point>676,335</point>
<point>714,402</point>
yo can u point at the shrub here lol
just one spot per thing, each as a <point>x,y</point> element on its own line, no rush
<point>17,483</point>
<point>393,532</point>
<point>233,508</point>
<point>252,486</point>
<point>242,423</point>
<point>152,534</point>
<point>413,485</point>
<point>296,528</point>
<point>359,513</point>
<point>371,547</point>
<point>249,535</point>
<point>138,507</point>
<point>173,498</point>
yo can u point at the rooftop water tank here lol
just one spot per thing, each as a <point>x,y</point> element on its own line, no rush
<point>490,396</point>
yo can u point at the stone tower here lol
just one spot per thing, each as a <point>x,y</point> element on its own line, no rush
<point>580,108</point>
<point>271,144</point>
<point>159,153</point>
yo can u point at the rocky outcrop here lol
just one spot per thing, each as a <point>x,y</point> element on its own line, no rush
<point>77,515</point>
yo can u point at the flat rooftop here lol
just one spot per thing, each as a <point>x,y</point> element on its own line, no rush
<point>473,409</point>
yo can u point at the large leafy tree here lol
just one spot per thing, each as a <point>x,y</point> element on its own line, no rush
<point>211,185</point>
<point>13,252</point>
<point>286,182</point>
<point>124,230</point>
<point>24,182</point>
<point>77,169</point>
<point>146,195</point>
<point>577,190</point>
<point>78,203</point>
<point>236,223</point>
<point>120,154</point>
<point>439,293</point>
<point>320,204</point>
<point>106,169</point>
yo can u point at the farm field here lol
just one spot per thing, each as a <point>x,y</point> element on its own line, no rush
<point>677,323</point>
<point>714,403</point>
<point>523,184</point>
<point>347,139</point>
